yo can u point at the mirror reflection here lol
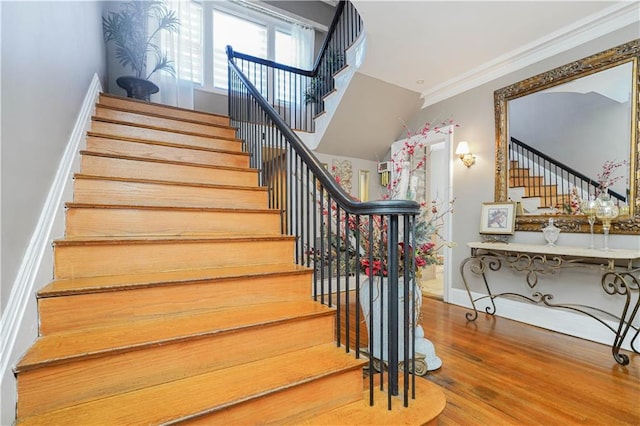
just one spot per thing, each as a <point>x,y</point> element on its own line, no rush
<point>561,138</point>
<point>568,135</point>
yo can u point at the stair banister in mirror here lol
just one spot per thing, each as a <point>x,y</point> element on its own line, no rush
<point>564,176</point>
<point>298,94</point>
<point>626,55</point>
<point>337,236</point>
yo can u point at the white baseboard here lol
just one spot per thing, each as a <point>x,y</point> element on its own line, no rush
<point>557,320</point>
<point>23,286</point>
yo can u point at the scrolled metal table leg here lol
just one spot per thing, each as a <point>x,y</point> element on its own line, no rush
<point>471,316</point>
<point>624,284</point>
<point>479,268</point>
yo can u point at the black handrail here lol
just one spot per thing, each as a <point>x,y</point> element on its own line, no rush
<point>384,207</point>
<point>573,174</point>
<point>267,62</point>
<point>335,234</point>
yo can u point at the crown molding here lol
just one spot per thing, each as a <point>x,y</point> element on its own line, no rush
<point>608,20</point>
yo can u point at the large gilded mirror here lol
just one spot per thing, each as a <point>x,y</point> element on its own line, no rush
<point>556,134</point>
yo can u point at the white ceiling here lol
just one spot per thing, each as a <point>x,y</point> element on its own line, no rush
<point>441,48</point>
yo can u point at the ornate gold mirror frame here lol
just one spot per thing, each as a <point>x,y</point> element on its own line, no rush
<point>629,52</point>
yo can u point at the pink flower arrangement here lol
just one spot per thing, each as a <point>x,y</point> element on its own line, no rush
<point>372,251</point>
<point>412,151</point>
<point>606,178</point>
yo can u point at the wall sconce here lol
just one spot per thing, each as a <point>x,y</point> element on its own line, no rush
<point>462,151</point>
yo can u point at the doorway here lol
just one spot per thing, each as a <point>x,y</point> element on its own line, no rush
<point>437,278</point>
<point>434,184</point>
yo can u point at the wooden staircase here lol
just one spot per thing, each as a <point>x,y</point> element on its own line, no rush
<point>175,298</point>
<point>547,195</point>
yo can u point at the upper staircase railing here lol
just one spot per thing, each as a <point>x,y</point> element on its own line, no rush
<point>557,178</point>
<point>344,241</point>
<point>297,94</point>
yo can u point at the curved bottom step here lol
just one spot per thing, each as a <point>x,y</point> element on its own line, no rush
<point>424,410</point>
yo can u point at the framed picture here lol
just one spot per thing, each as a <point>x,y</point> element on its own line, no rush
<point>498,218</point>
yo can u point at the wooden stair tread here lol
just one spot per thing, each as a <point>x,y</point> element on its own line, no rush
<point>171,298</point>
<point>67,346</point>
<point>163,116</point>
<point>123,166</point>
<point>126,130</point>
<point>124,282</point>
<point>154,113</point>
<point>173,183</point>
<point>162,239</point>
<point>138,105</point>
<point>197,395</point>
<point>218,155</point>
<point>185,208</point>
<point>163,161</point>
<point>429,403</point>
<point>164,129</point>
<point>168,144</point>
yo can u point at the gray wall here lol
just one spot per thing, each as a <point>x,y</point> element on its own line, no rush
<point>50,53</point>
<point>474,111</point>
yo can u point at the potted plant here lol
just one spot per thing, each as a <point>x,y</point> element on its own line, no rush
<point>133,30</point>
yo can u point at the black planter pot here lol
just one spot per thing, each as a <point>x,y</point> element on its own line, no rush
<point>137,88</point>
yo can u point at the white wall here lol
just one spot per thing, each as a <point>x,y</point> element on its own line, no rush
<point>50,52</point>
<point>474,111</point>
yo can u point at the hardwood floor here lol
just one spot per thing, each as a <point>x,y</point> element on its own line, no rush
<point>501,372</point>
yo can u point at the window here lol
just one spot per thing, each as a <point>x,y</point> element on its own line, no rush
<point>185,47</point>
<point>188,64</point>
<point>206,28</point>
<point>285,54</point>
<point>211,26</point>
<point>285,48</point>
<point>245,36</point>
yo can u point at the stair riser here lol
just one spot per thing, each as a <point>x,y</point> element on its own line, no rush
<point>95,191</point>
<point>64,385</point>
<point>167,153</point>
<point>162,110</point>
<point>84,260</point>
<point>519,173</point>
<point>135,169</point>
<point>164,123</point>
<point>547,191</point>
<point>96,309</point>
<point>293,404</point>
<point>124,131</point>
<point>122,222</point>
<point>525,181</point>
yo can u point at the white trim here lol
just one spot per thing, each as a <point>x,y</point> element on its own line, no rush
<point>610,19</point>
<point>23,285</point>
<point>557,320</point>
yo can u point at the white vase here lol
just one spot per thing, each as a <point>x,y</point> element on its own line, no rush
<point>425,351</point>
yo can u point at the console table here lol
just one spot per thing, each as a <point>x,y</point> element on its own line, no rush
<point>618,270</point>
